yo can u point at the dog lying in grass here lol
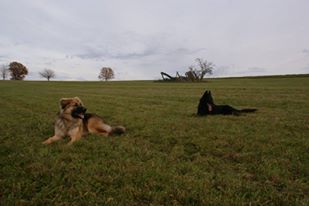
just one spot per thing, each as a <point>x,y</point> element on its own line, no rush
<point>73,121</point>
<point>208,107</point>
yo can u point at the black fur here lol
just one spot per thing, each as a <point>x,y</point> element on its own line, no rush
<point>208,107</point>
<point>78,111</point>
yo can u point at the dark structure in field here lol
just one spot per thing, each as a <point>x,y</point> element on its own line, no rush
<point>178,77</point>
<point>207,106</point>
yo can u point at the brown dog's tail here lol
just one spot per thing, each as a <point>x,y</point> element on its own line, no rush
<point>247,110</point>
<point>118,130</point>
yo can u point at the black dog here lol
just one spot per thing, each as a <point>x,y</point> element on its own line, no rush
<point>208,107</point>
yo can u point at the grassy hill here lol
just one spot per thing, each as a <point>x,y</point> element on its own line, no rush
<point>168,156</point>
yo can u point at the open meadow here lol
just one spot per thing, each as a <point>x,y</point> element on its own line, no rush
<point>168,156</point>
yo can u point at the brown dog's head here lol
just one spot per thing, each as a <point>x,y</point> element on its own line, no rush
<point>72,106</point>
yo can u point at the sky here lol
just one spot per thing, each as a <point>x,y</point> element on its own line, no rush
<point>138,38</point>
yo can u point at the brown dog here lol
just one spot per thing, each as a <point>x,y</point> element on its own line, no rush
<point>73,121</point>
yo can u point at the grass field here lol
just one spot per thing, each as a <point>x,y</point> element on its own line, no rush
<point>168,156</point>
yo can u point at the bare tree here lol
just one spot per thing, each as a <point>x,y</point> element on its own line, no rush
<point>4,72</point>
<point>18,71</point>
<point>106,73</point>
<point>205,67</point>
<point>198,73</point>
<point>47,74</point>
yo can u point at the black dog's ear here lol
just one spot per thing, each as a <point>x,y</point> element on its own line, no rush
<point>205,94</point>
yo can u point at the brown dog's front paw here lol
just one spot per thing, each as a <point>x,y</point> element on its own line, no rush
<point>46,142</point>
<point>52,139</point>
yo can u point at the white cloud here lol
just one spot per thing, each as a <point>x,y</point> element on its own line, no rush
<point>139,39</point>
<point>305,51</point>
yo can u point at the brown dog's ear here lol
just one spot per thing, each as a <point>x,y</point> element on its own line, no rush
<point>77,99</point>
<point>64,102</point>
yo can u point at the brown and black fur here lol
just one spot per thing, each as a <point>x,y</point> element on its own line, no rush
<point>208,107</point>
<point>73,121</point>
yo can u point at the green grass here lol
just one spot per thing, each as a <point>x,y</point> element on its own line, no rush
<point>168,156</point>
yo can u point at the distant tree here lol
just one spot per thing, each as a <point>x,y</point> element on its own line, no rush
<point>4,72</point>
<point>106,73</point>
<point>197,73</point>
<point>18,71</point>
<point>205,67</point>
<point>47,74</point>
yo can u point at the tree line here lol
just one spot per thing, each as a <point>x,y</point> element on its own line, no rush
<point>17,71</point>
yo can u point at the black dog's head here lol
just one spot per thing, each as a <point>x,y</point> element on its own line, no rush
<point>207,98</point>
<point>206,104</point>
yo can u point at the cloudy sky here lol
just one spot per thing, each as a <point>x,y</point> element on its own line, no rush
<point>141,38</point>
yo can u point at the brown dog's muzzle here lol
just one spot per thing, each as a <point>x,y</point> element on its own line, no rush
<point>79,112</point>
